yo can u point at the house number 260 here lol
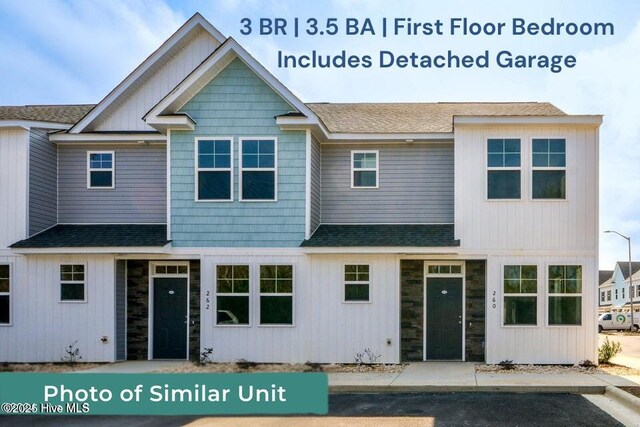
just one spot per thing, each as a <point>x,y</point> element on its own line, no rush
<point>493,300</point>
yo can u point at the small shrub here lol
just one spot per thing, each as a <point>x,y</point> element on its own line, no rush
<point>205,356</point>
<point>366,358</point>
<point>4,367</point>
<point>607,350</point>
<point>72,354</point>
<point>587,364</point>
<point>507,365</point>
<point>245,364</point>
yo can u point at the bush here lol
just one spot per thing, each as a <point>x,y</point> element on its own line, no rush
<point>607,350</point>
<point>507,364</point>
<point>587,364</point>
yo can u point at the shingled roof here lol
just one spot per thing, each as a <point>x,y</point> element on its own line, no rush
<point>624,267</point>
<point>418,117</point>
<point>372,235</point>
<point>97,235</point>
<point>342,118</point>
<point>46,113</point>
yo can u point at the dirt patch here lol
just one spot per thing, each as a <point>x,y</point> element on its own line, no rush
<point>611,369</point>
<point>631,390</point>
<point>46,367</point>
<point>240,367</point>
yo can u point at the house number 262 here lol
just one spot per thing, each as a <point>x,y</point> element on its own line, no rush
<point>493,300</point>
<point>208,300</point>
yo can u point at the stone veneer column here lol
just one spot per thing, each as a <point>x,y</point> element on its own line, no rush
<point>411,310</point>
<point>475,282</point>
<point>194,310</point>
<point>137,309</point>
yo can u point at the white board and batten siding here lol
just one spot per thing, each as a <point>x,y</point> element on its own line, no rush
<point>129,115</point>
<point>526,231</point>
<point>42,326</point>
<point>326,329</point>
<point>14,182</point>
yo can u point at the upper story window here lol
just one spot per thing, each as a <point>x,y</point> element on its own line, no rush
<point>72,283</point>
<point>548,169</point>
<point>565,295</point>
<point>258,169</point>
<point>364,169</point>
<point>503,169</point>
<point>101,169</point>
<point>214,170</point>
<point>5,294</point>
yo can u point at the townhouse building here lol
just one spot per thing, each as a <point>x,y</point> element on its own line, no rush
<point>202,204</point>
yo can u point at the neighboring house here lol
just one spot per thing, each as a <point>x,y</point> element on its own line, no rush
<point>605,290</point>
<point>620,285</point>
<point>202,204</point>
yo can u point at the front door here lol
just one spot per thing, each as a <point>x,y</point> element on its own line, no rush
<point>170,318</point>
<point>444,318</point>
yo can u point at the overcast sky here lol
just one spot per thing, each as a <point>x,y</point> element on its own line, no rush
<point>76,51</point>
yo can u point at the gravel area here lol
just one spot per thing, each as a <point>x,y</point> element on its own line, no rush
<point>558,369</point>
<point>632,390</point>
<point>46,367</point>
<point>281,367</point>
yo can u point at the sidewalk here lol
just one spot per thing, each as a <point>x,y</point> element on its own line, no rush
<point>461,377</point>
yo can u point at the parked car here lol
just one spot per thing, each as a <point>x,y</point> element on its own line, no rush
<point>617,321</point>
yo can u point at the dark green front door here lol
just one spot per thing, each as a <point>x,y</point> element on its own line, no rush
<point>444,318</point>
<point>170,318</point>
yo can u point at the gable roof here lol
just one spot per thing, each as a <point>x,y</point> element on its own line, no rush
<point>148,68</point>
<point>435,117</point>
<point>69,114</point>
<point>604,275</point>
<point>624,267</point>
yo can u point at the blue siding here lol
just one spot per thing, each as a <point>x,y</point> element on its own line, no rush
<point>237,103</point>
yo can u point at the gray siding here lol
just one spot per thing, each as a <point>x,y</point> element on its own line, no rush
<point>42,182</point>
<point>121,310</point>
<point>316,184</point>
<point>416,185</point>
<point>139,196</point>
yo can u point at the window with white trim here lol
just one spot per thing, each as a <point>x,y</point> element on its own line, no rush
<point>548,174</point>
<point>72,283</point>
<point>503,168</point>
<point>232,295</point>
<point>5,294</point>
<point>214,169</point>
<point>356,283</point>
<point>520,293</point>
<point>602,296</point>
<point>623,296</point>
<point>258,169</point>
<point>276,294</point>
<point>565,295</point>
<point>364,169</point>
<point>608,295</point>
<point>101,169</point>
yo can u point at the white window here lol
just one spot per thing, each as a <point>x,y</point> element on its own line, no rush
<point>72,283</point>
<point>602,296</point>
<point>356,283</point>
<point>503,169</point>
<point>565,295</point>
<point>101,169</point>
<point>364,169</point>
<point>214,169</point>
<point>232,295</point>
<point>5,294</point>
<point>276,295</point>
<point>548,175</point>
<point>609,295</point>
<point>520,292</point>
<point>258,169</point>
<point>623,296</point>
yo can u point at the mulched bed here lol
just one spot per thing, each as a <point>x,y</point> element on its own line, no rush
<point>243,366</point>
<point>46,367</point>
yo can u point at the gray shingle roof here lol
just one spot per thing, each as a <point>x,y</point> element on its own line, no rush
<point>46,113</point>
<point>604,275</point>
<point>624,267</point>
<point>97,235</point>
<point>418,117</point>
<point>407,235</point>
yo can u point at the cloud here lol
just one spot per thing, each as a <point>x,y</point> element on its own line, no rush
<point>85,48</point>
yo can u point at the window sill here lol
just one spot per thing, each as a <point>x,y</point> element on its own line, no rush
<point>232,326</point>
<point>73,302</point>
<point>277,326</point>
<point>357,302</point>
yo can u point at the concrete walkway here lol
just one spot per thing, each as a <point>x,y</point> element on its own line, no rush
<point>432,377</point>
